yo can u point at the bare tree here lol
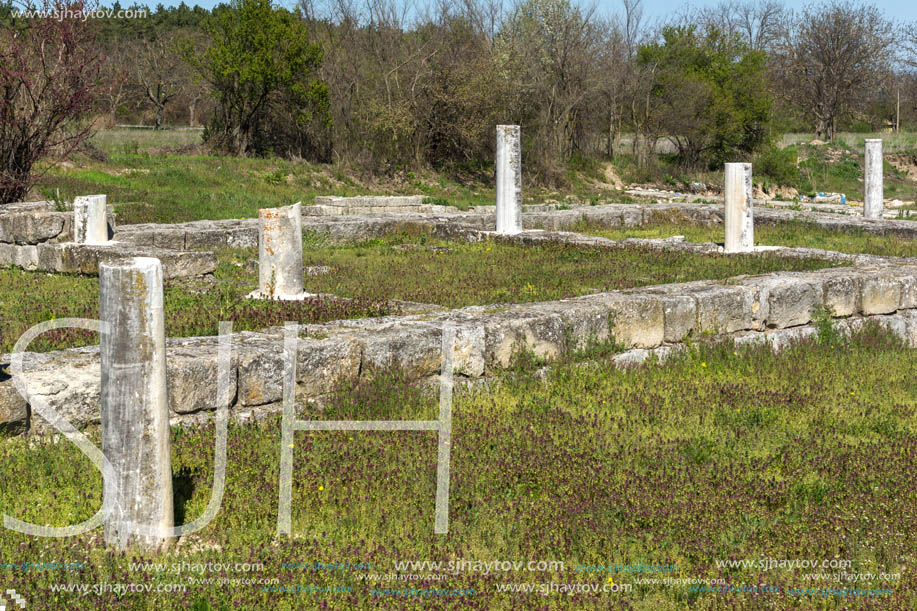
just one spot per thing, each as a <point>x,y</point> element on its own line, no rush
<point>556,45</point>
<point>160,72</point>
<point>115,83</point>
<point>758,24</point>
<point>908,36</point>
<point>831,55</point>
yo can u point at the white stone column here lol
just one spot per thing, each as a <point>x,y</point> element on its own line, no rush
<point>739,216</point>
<point>134,401</point>
<point>872,202</point>
<point>280,252</point>
<point>90,219</point>
<point>509,179</point>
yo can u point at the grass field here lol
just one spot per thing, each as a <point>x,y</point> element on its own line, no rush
<point>409,268</point>
<point>796,234</point>
<point>721,454</point>
<point>166,177</point>
<point>891,142</point>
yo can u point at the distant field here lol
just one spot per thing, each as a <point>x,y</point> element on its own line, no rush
<point>133,140</point>
<point>891,142</point>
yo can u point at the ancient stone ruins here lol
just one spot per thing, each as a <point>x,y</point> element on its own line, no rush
<point>138,382</point>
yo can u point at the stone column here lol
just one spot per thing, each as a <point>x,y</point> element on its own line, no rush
<point>90,219</point>
<point>739,218</point>
<point>280,252</point>
<point>509,179</point>
<point>872,202</point>
<point>134,401</point>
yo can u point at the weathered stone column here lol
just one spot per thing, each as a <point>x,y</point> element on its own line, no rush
<point>90,219</point>
<point>739,217</point>
<point>134,401</point>
<point>872,201</point>
<point>280,252</point>
<point>509,179</point>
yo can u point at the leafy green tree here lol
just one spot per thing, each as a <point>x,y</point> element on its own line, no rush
<point>710,91</point>
<point>263,71</point>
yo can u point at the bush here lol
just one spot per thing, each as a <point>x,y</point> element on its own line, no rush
<point>779,165</point>
<point>264,74</point>
<point>49,79</point>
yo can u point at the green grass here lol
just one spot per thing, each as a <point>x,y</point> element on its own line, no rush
<point>718,454</point>
<point>170,188</point>
<point>166,177</point>
<point>891,142</point>
<point>447,273</point>
<point>796,234</point>
<point>126,140</point>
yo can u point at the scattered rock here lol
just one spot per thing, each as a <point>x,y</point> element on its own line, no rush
<point>317,270</point>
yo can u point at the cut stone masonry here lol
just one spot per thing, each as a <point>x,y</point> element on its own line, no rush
<point>649,320</point>
<point>644,319</point>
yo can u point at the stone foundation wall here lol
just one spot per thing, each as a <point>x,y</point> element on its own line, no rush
<point>34,236</point>
<point>30,223</point>
<point>328,205</point>
<point>768,307</point>
<point>243,233</point>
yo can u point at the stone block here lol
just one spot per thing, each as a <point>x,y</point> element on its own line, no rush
<point>415,349</point>
<point>881,293</point>
<point>8,253</point>
<point>174,240</point>
<point>260,366</point>
<point>516,329</point>
<point>724,309</point>
<point>322,364</point>
<point>27,257</point>
<point>30,227</point>
<point>637,320</point>
<point>69,381</point>
<point>680,314</point>
<point>784,300</point>
<point>192,373</point>
<point>842,293</point>
<point>908,280</point>
<point>14,413</point>
<point>85,259</point>
<point>585,319</point>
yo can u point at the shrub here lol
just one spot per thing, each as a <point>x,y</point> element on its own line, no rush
<point>49,79</point>
<point>779,165</point>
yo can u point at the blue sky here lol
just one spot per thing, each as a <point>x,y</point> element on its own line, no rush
<point>902,10</point>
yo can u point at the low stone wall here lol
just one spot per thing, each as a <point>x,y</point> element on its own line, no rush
<point>70,258</point>
<point>30,223</point>
<point>487,337</point>
<point>243,233</point>
<point>36,237</point>
<point>329,205</point>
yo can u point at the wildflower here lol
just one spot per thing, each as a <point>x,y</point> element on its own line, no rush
<point>320,488</point>
<point>703,364</point>
<point>291,445</point>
